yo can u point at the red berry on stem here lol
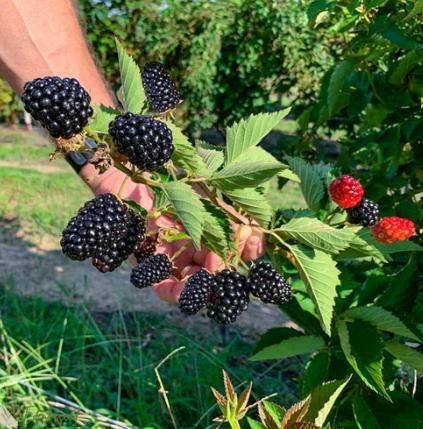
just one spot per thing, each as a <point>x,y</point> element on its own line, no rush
<point>391,229</point>
<point>346,191</point>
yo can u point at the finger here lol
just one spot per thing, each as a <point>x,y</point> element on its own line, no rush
<point>169,289</point>
<point>254,246</point>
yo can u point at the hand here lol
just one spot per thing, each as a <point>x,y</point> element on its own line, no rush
<point>251,239</point>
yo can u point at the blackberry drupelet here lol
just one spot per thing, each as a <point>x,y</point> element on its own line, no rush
<point>228,297</point>
<point>366,213</point>
<point>266,283</point>
<point>196,292</point>
<point>145,248</point>
<point>61,105</point>
<point>152,270</point>
<point>160,89</point>
<point>105,230</point>
<point>145,141</point>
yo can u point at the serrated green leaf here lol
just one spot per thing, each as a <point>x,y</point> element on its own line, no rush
<point>290,175</point>
<point>314,233</point>
<point>380,318</point>
<point>363,415</point>
<point>217,230</point>
<point>249,132</point>
<point>246,174</point>
<point>315,373</point>
<point>254,203</point>
<point>311,182</point>
<point>255,424</point>
<point>321,277</point>
<point>188,208</point>
<point>362,346</point>
<point>397,247</point>
<point>101,119</point>
<point>212,157</point>
<point>406,354</point>
<point>275,410</point>
<point>322,399</point>
<point>293,346</point>
<point>134,98</point>
<point>337,82</point>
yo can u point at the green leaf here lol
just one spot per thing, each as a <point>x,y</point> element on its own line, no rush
<point>275,411</point>
<point>185,156</point>
<point>296,345</point>
<point>406,354</point>
<point>363,415</point>
<point>247,133</point>
<point>217,230</point>
<point>311,182</point>
<point>380,318</point>
<point>246,174</point>
<point>397,247</point>
<point>314,233</point>
<point>132,88</point>
<point>363,347</point>
<point>417,9</point>
<point>188,208</point>
<point>320,276</point>
<point>255,424</point>
<point>101,119</point>
<point>405,65</point>
<point>211,157</point>
<point>290,175</point>
<point>136,207</point>
<point>337,83</point>
<point>254,203</point>
<point>322,399</point>
<point>315,373</point>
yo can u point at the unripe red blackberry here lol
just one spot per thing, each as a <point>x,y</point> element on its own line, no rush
<point>196,292</point>
<point>365,213</point>
<point>346,191</point>
<point>160,89</point>
<point>266,283</point>
<point>393,228</point>
<point>61,105</point>
<point>145,141</point>
<point>105,230</point>
<point>145,248</point>
<point>228,297</point>
<point>152,270</point>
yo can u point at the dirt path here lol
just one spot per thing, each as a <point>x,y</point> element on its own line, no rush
<point>40,167</point>
<point>39,268</point>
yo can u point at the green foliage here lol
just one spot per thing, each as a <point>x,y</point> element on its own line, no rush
<point>9,104</point>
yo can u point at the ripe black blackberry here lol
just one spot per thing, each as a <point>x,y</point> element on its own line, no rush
<point>61,105</point>
<point>145,141</point>
<point>365,213</point>
<point>145,248</point>
<point>105,230</point>
<point>266,283</point>
<point>152,270</point>
<point>228,297</point>
<point>160,89</point>
<point>196,292</point>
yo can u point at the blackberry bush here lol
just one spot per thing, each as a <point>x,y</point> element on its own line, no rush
<point>151,270</point>
<point>196,292</point>
<point>365,213</point>
<point>145,141</point>
<point>266,283</point>
<point>62,106</point>
<point>161,90</point>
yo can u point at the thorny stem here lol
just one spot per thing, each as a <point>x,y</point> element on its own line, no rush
<point>288,255</point>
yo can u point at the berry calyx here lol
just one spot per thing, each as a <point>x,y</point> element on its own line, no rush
<point>228,297</point>
<point>393,228</point>
<point>61,105</point>
<point>146,142</point>
<point>346,191</point>
<point>145,248</point>
<point>151,270</point>
<point>196,292</point>
<point>266,283</point>
<point>160,89</point>
<point>365,213</point>
<point>105,230</point>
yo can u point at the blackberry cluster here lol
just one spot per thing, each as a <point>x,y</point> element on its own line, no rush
<point>145,248</point>
<point>105,230</point>
<point>160,89</point>
<point>152,270</point>
<point>61,105</point>
<point>365,213</point>
<point>196,292</point>
<point>228,297</point>
<point>145,141</point>
<point>266,283</point>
